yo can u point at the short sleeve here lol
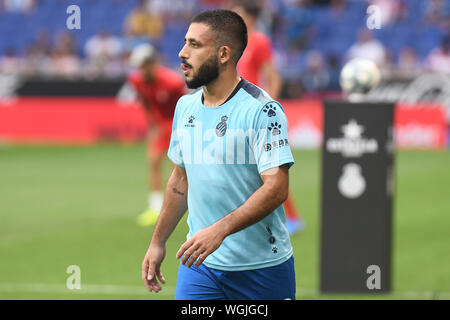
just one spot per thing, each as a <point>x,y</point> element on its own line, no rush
<point>175,153</point>
<point>270,143</point>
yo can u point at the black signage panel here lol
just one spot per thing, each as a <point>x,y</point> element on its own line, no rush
<point>357,192</point>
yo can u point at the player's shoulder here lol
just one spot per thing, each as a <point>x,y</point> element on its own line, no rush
<point>189,99</point>
<point>135,76</point>
<point>255,98</point>
<point>258,105</point>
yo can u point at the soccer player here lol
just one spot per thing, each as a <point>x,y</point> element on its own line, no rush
<point>158,89</point>
<point>256,66</point>
<point>238,246</point>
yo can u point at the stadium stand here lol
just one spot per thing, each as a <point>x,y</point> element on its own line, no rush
<point>299,25</point>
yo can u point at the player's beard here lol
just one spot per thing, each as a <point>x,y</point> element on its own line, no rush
<point>208,72</point>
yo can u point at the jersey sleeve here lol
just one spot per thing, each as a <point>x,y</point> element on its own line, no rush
<point>270,143</point>
<point>175,153</point>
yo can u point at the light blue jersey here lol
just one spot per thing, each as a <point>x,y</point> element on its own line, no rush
<point>224,150</point>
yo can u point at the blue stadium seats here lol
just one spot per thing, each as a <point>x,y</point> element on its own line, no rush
<point>51,15</point>
<point>332,33</point>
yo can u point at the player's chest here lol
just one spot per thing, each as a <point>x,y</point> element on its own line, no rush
<point>214,123</point>
<point>157,95</point>
<point>221,137</point>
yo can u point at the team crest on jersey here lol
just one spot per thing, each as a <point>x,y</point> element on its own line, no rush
<point>221,128</point>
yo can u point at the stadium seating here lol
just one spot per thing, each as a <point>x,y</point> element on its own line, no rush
<point>332,34</point>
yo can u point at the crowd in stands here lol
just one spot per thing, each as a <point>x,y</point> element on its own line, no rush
<point>312,39</point>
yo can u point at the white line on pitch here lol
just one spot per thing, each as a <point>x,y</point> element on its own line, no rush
<point>85,289</point>
<point>170,290</point>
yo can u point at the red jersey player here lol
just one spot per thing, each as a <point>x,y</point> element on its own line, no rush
<point>158,89</point>
<point>257,67</point>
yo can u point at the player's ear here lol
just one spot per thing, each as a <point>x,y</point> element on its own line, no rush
<point>225,54</point>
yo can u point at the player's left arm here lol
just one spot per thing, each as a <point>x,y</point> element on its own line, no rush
<point>261,203</point>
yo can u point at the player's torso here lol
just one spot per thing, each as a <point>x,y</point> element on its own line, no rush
<point>222,174</point>
<point>161,94</point>
<point>216,135</point>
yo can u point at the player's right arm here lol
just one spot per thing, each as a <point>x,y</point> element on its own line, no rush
<point>173,209</point>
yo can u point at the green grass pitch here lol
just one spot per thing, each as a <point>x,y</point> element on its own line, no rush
<point>62,206</point>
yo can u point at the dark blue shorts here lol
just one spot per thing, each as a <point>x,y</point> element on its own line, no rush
<point>203,283</point>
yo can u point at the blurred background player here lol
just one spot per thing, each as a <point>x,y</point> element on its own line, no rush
<point>158,89</point>
<point>257,66</point>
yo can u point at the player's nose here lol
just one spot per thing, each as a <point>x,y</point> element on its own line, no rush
<point>183,53</point>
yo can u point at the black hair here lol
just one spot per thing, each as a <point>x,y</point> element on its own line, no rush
<point>229,27</point>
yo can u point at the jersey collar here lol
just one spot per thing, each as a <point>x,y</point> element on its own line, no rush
<point>236,89</point>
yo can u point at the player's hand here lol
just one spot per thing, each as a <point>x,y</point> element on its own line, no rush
<point>201,245</point>
<point>151,272</point>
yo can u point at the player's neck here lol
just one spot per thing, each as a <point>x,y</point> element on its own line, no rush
<point>218,91</point>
